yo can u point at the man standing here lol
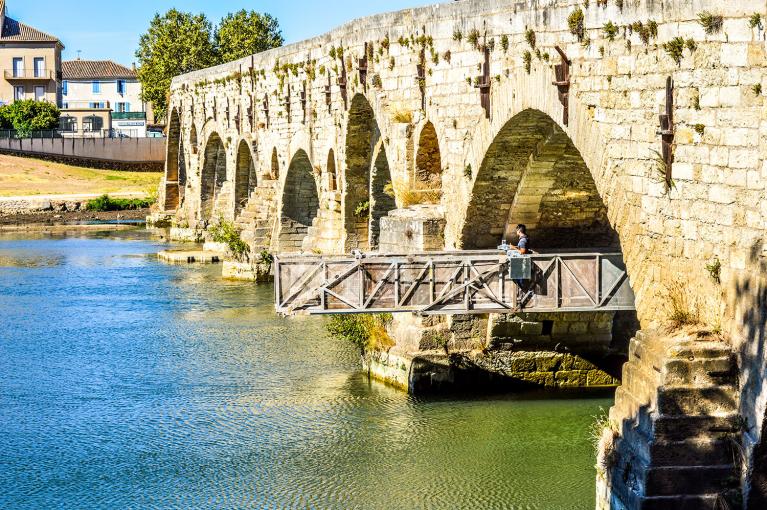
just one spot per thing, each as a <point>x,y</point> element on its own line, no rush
<point>523,246</point>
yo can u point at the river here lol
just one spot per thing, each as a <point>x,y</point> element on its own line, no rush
<point>127,383</point>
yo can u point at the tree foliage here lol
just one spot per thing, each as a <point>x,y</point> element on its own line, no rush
<point>28,115</point>
<point>244,33</point>
<point>180,42</point>
<point>176,43</point>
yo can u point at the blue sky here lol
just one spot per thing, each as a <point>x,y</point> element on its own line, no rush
<point>110,30</point>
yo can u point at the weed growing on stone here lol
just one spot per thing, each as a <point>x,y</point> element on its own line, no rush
<point>683,311</point>
<point>530,37</point>
<point>527,58</point>
<point>699,128</point>
<point>675,49</point>
<point>755,21</point>
<point>600,423</point>
<point>362,209</point>
<point>575,23</point>
<point>715,270</point>
<point>505,43</point>
<point>367,332</point>
<point>757,89</point>
<point>457,35</point>
<point>711,23</point>
<point>690,45</point>
<point>611,30</point>
<point>473,38</point>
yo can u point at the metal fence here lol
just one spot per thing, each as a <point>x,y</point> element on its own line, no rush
<point>6,134</point>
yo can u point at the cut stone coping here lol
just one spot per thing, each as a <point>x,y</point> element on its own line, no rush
<point>190,257</point>
<point>105,227</point>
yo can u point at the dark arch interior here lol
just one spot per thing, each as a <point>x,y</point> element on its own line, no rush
<point>300,203</point>
<point>172,194</point>
<point>213,174</point>
<point>193,139</point>
<point>361,137</point>
<point>428,162</point>
<point>533,174</point>
<point>381,194</point>
<point>245,177</point>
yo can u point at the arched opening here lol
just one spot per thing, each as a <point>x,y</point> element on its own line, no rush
<point>275,169</point>
<point>300,203</point>
<point>244,178</point>
<point>172,153</point>
<point>361,137</point>
<point>428,165</point>
<point>381,194</point>
<point>332,180</point>
<point>532,174</point>
<point>213,174</point>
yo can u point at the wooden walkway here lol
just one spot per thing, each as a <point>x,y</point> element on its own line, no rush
<point>452,283</point>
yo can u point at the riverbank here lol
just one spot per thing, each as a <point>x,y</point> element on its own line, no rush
<point>34,220</point>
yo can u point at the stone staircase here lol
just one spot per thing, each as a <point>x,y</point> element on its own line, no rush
<point>257,220</point>
<point>679,428</point>
<point>324,235</point>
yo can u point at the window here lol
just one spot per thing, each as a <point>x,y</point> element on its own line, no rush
<point>121,87</point>
<point>18,67</point>
<point>123,107</point>
<point>18,93</point>
<point>39,93</point>
<point>96,87</point>
<point>93,123</point>
<point>68,124</point>
<point>39,67</point>
<point>65,106</point>
<point>64,87</point>
<point>96,105</point>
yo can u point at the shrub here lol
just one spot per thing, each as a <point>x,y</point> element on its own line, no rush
<point>505,43</point>
<point>367,332</point>
<point>362,209</point>
<point>105,203</point>
<point>473,38</point>
<point>225,232</point>
<point>28,115</point>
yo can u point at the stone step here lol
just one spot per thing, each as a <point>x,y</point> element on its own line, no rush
<point>676,480</point>
<point>694,401</point>
<point>640,382</point>
<point>700,371</point>
<point>675,428</point>
<point>683,502</point>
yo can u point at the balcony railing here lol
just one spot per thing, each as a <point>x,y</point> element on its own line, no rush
<point>28,74</point>
<point>128,115</point>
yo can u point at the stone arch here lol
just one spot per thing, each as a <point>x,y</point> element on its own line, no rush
<point>274,170</point>
<point>428,160</point>
<point>331,171</point>
<point>300,202</point>
<point>362,134</point>
<point>532,173</point>
<point>244,177</point>
<point>381,194</point>
<point>213,174</point>
<point>172,155</point>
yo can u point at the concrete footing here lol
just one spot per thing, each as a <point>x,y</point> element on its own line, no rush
<point>190,257</point>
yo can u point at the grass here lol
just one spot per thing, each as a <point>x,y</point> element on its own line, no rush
<point>26,176</point>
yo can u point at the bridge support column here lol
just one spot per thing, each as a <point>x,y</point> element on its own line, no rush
<point>672,439</point>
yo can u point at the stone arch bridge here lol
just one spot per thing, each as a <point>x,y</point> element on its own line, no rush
<point>639,125</point>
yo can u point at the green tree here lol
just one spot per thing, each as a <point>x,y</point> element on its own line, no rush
<point>27,116</point>
<point>244,33</point>
<point>176,43</point>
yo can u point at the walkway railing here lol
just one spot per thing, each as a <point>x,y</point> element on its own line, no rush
<point>452,283</point>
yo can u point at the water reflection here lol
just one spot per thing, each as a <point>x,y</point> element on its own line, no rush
<point>132,384</point>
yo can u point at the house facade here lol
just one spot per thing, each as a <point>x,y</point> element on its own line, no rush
<point>101,97</point>
<point>30,61</point>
